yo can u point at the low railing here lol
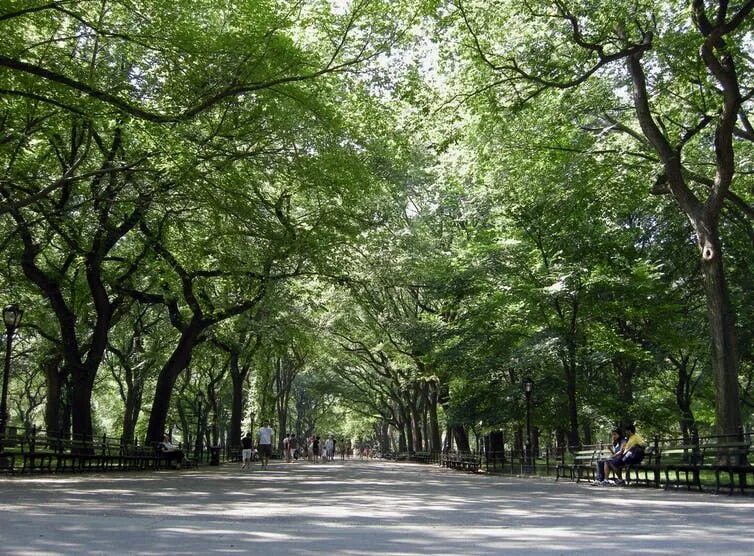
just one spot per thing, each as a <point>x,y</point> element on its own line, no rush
<point>36,449</point>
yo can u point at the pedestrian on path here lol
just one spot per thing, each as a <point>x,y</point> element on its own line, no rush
<point>292,444</point>
<point>246,444</point>
<point>265,444</point>
<point>329,448</point>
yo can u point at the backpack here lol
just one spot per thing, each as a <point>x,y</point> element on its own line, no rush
<point>634,455</point>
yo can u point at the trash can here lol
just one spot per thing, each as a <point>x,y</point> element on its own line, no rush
<point>214,455</point>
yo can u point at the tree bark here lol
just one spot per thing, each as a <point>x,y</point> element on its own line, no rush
<point>704,215</point>
<point>177,363</point>
<point>569,366</point>
<point>722,328</point>
<point>55,380</point>
<point>236,410</point>
<point>461,438</point>
<point>434,424</point>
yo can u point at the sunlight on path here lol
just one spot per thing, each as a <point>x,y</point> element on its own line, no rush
<point>355,508</point>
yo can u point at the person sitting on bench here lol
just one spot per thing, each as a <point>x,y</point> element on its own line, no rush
<point>631,454</point>
<point>172,454</point>
<point>603,465</point>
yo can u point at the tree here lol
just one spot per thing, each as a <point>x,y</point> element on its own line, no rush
<point>688,82</point>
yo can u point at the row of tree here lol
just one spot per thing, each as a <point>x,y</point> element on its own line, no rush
<point>378,218</point>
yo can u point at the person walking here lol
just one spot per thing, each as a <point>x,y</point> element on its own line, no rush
<point>247,443</point>
<point>265,444</point>
<point>287,448</point>
<point>329,448</point>
<point>292,447</point>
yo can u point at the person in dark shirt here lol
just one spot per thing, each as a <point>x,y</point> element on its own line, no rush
<point>247,443</point>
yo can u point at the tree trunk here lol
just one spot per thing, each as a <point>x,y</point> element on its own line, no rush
<point>402,447</point>
<point>572,407</point>
<point>179,360</point>
<point>131,410</point>
<point>684,393</point>
<point>496,447</point>
<point>704,214</point>
<point>588,433</point>
<point>81,403</point>
<point>435,444</point>
<point>625,370</point>
<point>722,329</point>
<point>236,410</point>
<point>385,437</point>
<point>54,404</point>
<point>461,438</point>
<point>415,425</point>
<point>407,426</point>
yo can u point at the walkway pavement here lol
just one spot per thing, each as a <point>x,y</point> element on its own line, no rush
<point>358,508</point>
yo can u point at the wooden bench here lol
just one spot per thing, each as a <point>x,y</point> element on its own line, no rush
<point>422,457</point>
<point>583,464</point>
<point>678,464</point>
<point>646,471</point>
<point>7,462</point>
<point>463,462</point>
<point>471,463</point>
<point>729,459</point>
<point>675,464</point>
<point>36,454</point>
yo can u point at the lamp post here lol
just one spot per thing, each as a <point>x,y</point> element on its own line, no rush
<point>12,318</point>
<point>198,444</point>
<point>251,422</point>
<point>528,384</point>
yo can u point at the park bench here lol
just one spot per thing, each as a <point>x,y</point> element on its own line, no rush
<point>683,464</point>
<point>10,448</point>
<point>674,464</point>
<point>36,454</point>
<point>583,464</point>
<point>729,459</point>
<point>235,453</point>
<point>7,462</point>
<point>36,451</point>
<point>645,472</point>
<point>461,461</point>
<point>422,457</point>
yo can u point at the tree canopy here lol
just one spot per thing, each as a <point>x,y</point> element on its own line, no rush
<point>378,218</point>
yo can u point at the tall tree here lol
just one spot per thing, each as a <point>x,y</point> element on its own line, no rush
<point>688,81</point>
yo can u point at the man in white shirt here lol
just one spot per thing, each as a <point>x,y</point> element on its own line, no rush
<point>265,444</point>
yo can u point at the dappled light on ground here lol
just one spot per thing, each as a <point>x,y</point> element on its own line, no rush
<point>353,508</point>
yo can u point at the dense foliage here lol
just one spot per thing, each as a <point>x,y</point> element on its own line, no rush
<point>378,218</point>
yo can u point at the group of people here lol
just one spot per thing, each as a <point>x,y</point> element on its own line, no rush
<point>314,448</point>
<point>318,449</point>
<point>264,446</point>
<point>627,448</point>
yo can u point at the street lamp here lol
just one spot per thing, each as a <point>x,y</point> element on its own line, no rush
<point>12,318</point>
<point>528,384</point>
<point>198,444</point>
<point>251,421</point>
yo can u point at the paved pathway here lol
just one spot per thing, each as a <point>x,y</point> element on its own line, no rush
<point>358,508</point>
